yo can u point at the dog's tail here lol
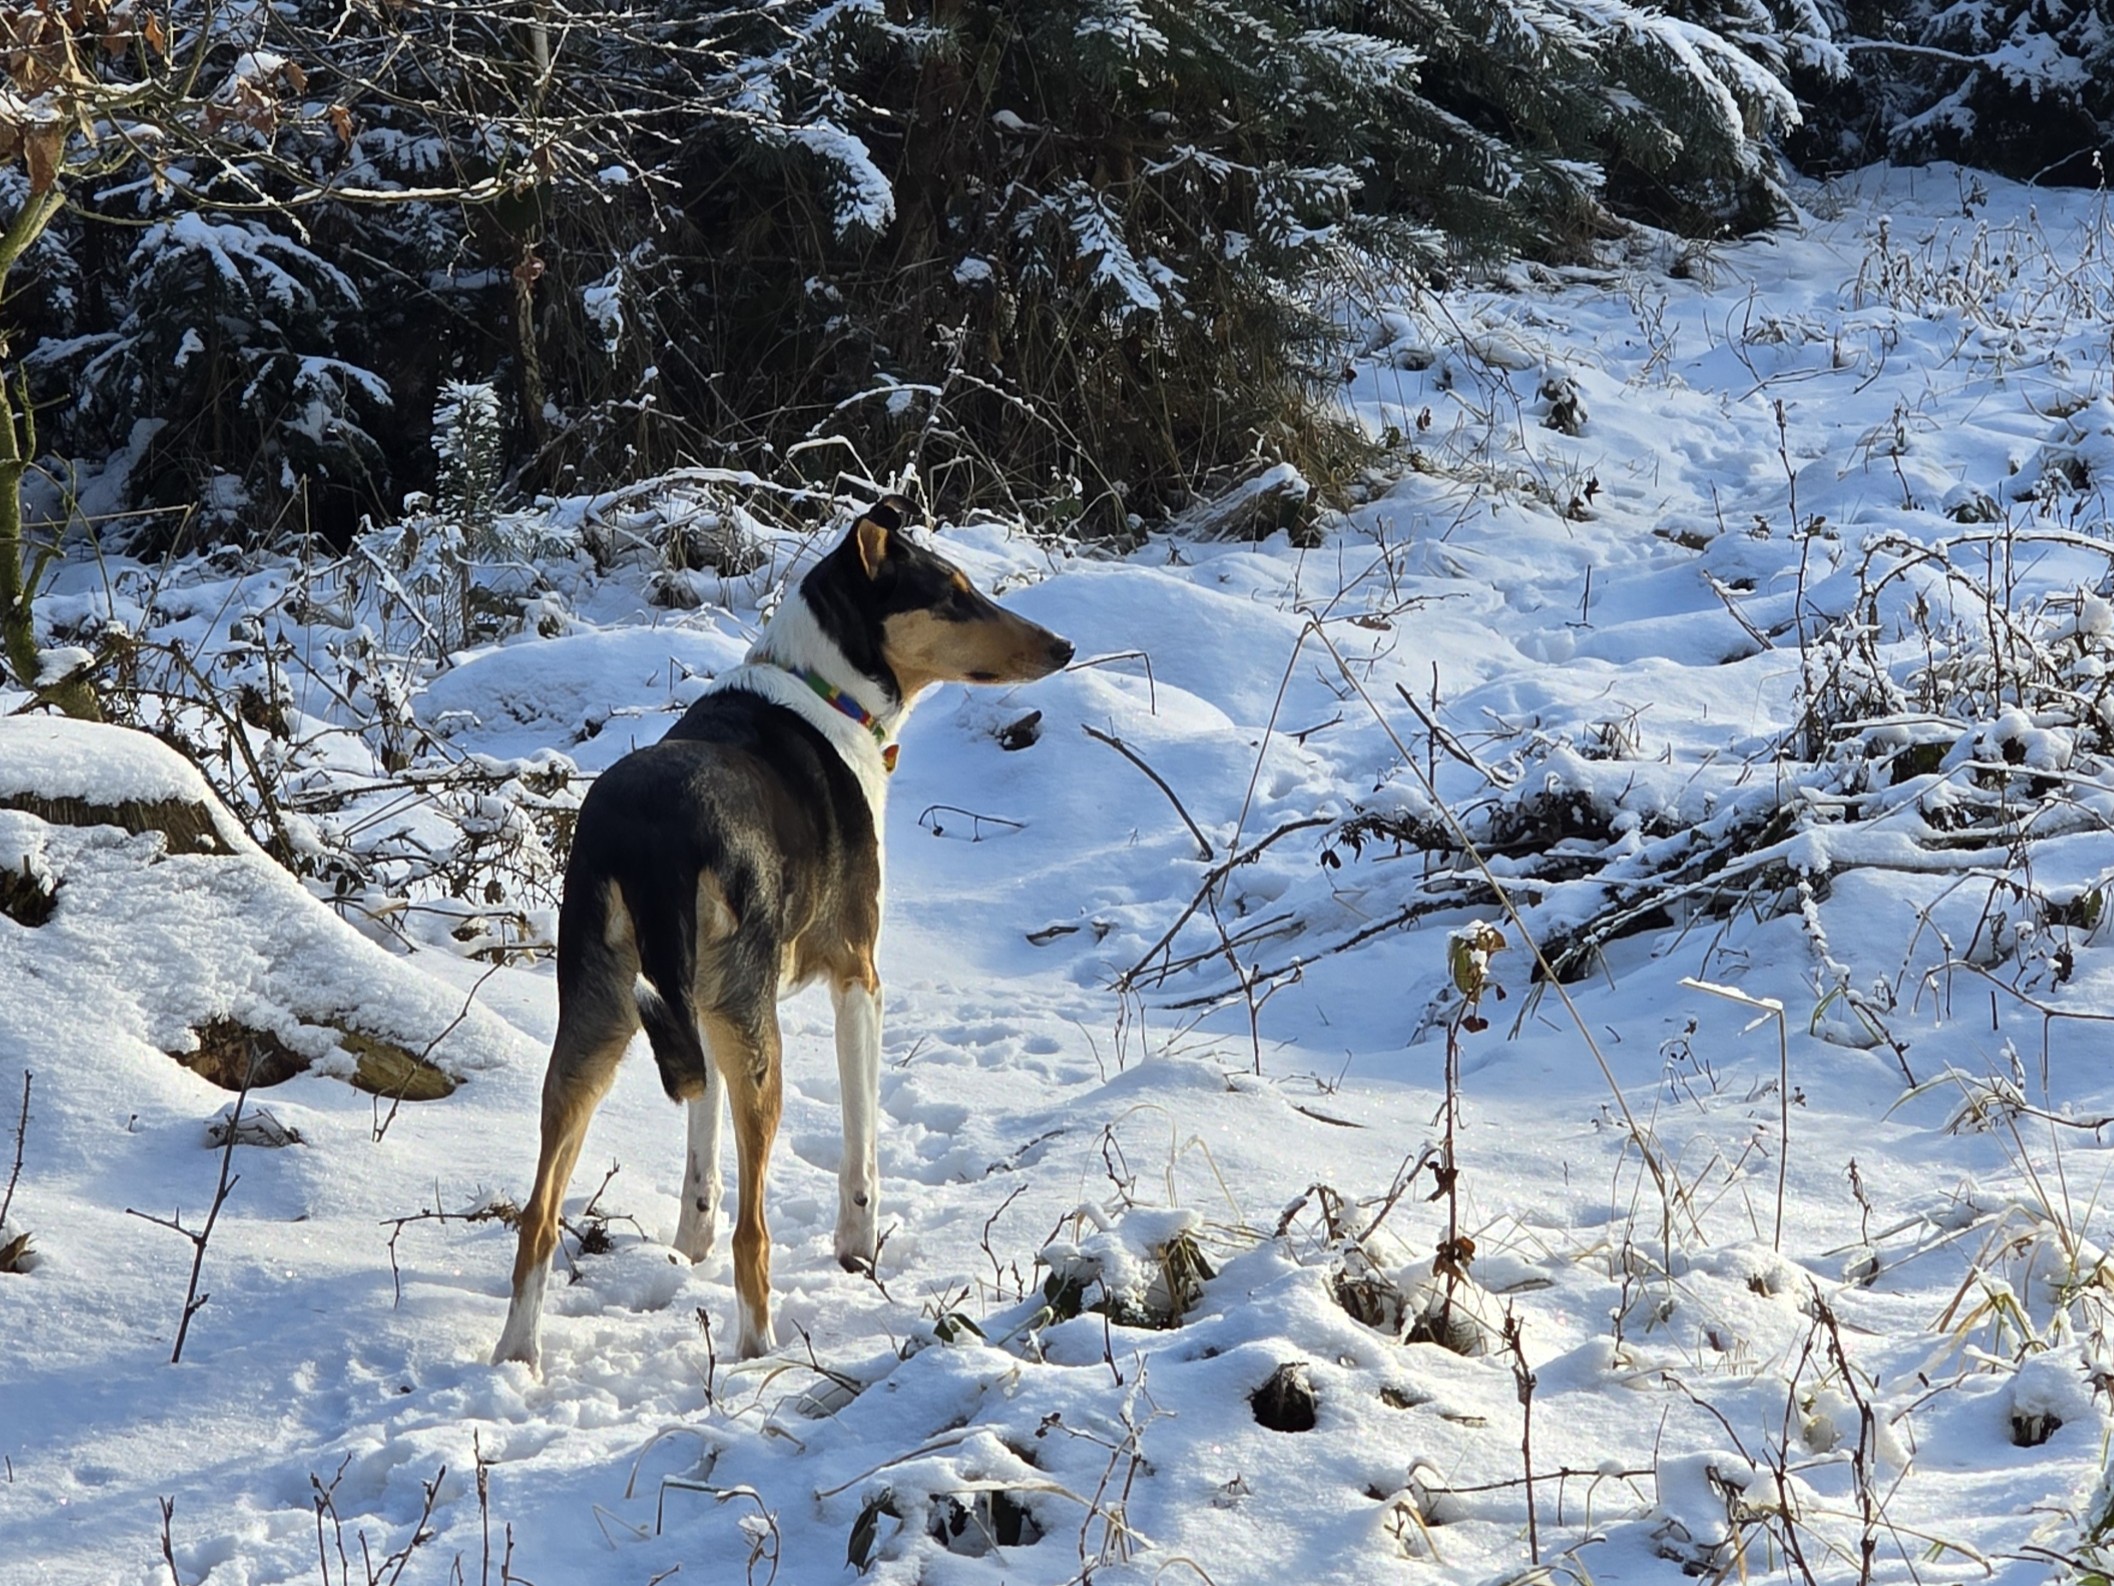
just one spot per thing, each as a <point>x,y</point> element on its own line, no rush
<point>665,921</point>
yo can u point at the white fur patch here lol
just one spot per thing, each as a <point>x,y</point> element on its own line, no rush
<point>522,1337</point>
<point>853,743</point>
<point>795,642</point>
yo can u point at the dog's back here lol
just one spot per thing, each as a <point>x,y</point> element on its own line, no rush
<point>743,858</point>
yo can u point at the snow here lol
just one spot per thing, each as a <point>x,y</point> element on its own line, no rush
<point>604,302</point>
<point>1742,1314</point>
<point>1098,241</point>
<point>247,256</point>
<point>158,944</point>
<point>1126,27</point>
<point>61,759</point>
<point>865,201</point>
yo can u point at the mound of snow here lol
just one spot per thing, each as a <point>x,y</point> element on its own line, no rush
<point>154,935</point>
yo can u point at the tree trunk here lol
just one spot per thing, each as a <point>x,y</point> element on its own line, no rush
<point>535,397</point>
<point>18,445</point>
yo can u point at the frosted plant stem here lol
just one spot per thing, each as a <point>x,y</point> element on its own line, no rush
<point>1647,1148</point>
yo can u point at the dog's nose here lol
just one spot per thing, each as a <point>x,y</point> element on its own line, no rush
<point>1060,650</point>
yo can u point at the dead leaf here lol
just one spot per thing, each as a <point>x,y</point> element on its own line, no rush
<point>15,1254</point>
<point>42,146</point>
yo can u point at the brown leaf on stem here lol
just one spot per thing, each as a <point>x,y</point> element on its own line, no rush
<point>41,147</point>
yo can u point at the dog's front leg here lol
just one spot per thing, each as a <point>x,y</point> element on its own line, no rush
<point>858,1011</point>
<point>697,1224</point>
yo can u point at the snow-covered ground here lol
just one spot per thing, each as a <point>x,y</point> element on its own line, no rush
<point>1781,684</point>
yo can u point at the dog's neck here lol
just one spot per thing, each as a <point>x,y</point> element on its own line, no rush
<point>795,641</point>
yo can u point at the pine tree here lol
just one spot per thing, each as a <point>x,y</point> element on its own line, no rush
<point>2021,87</point>
<point>1076,238</point>
<point>1072,252</point>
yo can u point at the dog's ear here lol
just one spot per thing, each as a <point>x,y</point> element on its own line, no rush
<point>870,534</point>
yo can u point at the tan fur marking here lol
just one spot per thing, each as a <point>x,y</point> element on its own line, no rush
<point>575,1084</point>
<point>617,928</point>
<point>922,649</point>
<point>716,919</point>
<point>872,540</point>
<point>851,964</point>
<point>827,952</point>
<point>755,1097</point>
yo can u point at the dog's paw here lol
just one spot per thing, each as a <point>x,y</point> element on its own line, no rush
<point>696,1231</point>
<point>521,1338</point>
<point>525,1350</point>
<point>758,1336</point>
<point>855,1243</point>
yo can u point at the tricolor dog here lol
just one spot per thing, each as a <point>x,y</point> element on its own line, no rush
<point>738,859</point>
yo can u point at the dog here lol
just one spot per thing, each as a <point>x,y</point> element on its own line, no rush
<point>739,859</point>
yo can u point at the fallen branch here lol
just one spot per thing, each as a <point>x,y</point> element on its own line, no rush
<point>1212,878</point>
<point>1401,917</point>
<point>976,821</point>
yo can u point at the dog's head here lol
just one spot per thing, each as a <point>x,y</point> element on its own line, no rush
<point>925,621</point>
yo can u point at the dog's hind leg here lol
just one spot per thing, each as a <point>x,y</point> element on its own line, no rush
<point>584,1060</point>
<point>748,1059</point>
<point>858,1011</point>
<point>697,1224</point>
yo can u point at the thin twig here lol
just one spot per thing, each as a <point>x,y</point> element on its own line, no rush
<point>21,1138</point>
<point>421,1532</point>
<point>976,821</point>
<point>425,1053</point>
<point>194,1302</point>
<point>1863,1454</point>
<point>492,1211</point>
<point>1152,687</point>
<point>1524,1382</point>
<point>1401,917</point>
<point>168,1546</point>
<point>1212,878</point>
<point>1452,745</point>
<point>484,1506</point>
<point>1158,781</point>
<point>1768,1007</point>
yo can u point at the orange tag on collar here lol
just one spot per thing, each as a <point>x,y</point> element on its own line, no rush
<point>888,757</point>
